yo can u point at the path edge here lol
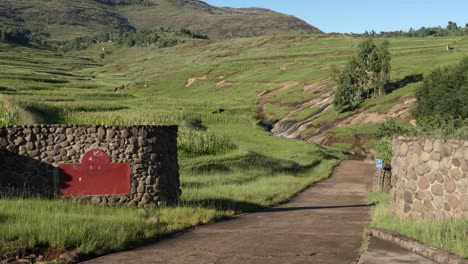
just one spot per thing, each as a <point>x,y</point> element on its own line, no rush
<point>437,255</point>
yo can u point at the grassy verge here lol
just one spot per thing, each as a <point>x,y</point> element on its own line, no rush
<point>450,235</point>
<point>38,224</point>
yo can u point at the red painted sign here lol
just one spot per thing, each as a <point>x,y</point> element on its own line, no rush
<point>94,176</point>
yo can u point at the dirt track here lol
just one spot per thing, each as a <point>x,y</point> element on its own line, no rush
<point>324,224</point>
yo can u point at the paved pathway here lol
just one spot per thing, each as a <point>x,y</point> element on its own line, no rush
<point>324,224</point>
<point>381,251</point>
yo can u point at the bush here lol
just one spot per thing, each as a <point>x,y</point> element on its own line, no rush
<point>391,128</point>
<point>442,98</point>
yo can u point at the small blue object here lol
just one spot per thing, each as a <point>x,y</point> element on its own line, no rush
<point>379,163</point>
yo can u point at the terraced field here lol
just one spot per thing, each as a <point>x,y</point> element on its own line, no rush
<point>223,93</point>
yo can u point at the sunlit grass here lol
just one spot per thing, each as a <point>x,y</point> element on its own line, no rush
<point>450,235</point>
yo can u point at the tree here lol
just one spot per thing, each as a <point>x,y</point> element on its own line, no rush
<point>452,26</point>
<point>367,73</point>
<point>348,92</point>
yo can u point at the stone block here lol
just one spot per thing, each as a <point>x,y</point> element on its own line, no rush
<point>428,145</point>
<point>437,189</point>
<point>456,174</point>
<point>464,203</point>
<point>425,156</point>
<point>423,183</point>
<point>452,201</point>
<point>408,197</point>
<point>403,149</point>
<point>422,169</point>
<point>450,186</point>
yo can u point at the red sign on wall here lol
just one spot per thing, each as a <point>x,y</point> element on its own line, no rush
<point>94,176</point>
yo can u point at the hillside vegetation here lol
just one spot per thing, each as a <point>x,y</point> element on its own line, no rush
<point>223,94</point>
<point>68,19</point>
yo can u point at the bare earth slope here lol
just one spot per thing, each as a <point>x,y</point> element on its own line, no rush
<point>324,224</point>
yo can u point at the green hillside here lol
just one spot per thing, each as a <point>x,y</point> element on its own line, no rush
<point>66,19</point>
<point>223,94</point>
<point>213,21</point>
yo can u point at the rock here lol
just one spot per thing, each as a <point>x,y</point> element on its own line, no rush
<point>141,188</point>
<point>403,149</point>
<point>19,141</point>
<point>464,203</point>
<point>63,152</point>
<point>29,146</point>
<point>70,138</point>
<point>447,150</point>
<point>466,154</point>
<point>435,165</point>
<point>110,134</point>
<point>456,174</point>
<point>71,153</point>
<point>101,133</point>
<point>452,201</point>
<point>125,133</point>
<point>450,186</point>
<point>437,189</point>
<point>431,177</point>
<point>414,160</point>
<point>438,145</point>
<point>423,183</point>
<point>412,186</point>
<point>422,169</point>
<point>406,208</point>
<point>447,162</point>
<point>427,206</point>
<point>30,137</point>
<point>425,156</point>
<point>96,200</point>
<point>408,197</point>
<point>149,180</point>
<point>68,257</point>
<point>428,145</point>
<point>436,156</point>
<point>146,199</point>
<point>3,142</point>
<point>462,186</point>
<point>33,153</point>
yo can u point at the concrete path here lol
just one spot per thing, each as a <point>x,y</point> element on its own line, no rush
<point>381,251</point>
<point>324,224</point>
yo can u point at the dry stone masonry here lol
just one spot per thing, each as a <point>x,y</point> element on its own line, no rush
<point>30,157</point>
<point>430,178</point>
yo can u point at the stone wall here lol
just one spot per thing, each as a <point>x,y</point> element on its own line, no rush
<point>30,157</point>
<point>430,178</point>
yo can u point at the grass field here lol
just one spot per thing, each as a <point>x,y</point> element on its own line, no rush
<point>448,235</point>
<point>233,166</point>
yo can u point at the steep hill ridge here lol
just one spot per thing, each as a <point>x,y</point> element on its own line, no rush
<point>66,19</point>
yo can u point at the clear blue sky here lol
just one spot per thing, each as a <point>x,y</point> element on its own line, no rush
<point>360,15</point>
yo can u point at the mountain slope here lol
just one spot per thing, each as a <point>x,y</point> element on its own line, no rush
<point>65,19</point>
<point>214,21</point>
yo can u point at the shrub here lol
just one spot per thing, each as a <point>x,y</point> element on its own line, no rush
<point>442,98</point>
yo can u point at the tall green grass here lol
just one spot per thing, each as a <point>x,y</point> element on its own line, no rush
<point>65,225</point>
<point>450,235</point>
